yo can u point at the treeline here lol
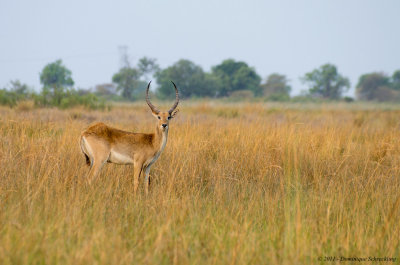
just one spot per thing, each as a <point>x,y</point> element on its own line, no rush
<point>234,80</point>
<point>57,91</point>
<point>237,80</point>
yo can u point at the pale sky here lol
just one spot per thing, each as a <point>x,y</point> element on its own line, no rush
<point>288,37</point>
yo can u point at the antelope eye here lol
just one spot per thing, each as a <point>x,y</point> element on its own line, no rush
<point>169,117</point>
<point>159,118</point>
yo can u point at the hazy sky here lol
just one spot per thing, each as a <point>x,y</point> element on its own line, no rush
<point>288,37</point>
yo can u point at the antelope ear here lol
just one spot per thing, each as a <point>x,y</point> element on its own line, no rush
<point>173,114</point>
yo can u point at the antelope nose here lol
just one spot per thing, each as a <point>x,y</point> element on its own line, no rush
<point>164,125</point>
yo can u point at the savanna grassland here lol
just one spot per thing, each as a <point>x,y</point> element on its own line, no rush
<point>237,184</point>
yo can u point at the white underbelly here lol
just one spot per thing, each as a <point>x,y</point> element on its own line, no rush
<point>119,158</point>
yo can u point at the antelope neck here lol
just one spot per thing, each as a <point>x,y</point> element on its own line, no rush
<point>160,138</point>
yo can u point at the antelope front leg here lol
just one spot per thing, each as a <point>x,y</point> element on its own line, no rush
<point>137,169</point>
<point>146,180</point>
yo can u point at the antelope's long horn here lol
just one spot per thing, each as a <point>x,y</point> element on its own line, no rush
<point>152,107</point>
<point>176,99</point>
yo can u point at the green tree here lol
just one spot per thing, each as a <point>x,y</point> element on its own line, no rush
<point>233,76</point>
<point>8,98</point>
<point>374,86</point>
<point>396,80</point>
<point>127,80</point>
<point>57,89</point>
<point>189,77</point>
<point>148,66</point>
<point>276,87</point>
<point>56,78</point>
<point>19,88</point>
<point>326,82</point>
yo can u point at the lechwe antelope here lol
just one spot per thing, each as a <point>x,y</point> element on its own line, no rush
<point>101,143</point>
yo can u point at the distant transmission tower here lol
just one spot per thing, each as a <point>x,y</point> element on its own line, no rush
<point>124,56</point>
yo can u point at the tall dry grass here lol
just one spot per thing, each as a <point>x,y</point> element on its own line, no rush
<point>236,184</point>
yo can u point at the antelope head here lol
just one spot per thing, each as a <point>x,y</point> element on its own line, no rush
<point>163,117</point>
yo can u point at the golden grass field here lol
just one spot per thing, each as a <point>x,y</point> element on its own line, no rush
<point>237,184</point>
